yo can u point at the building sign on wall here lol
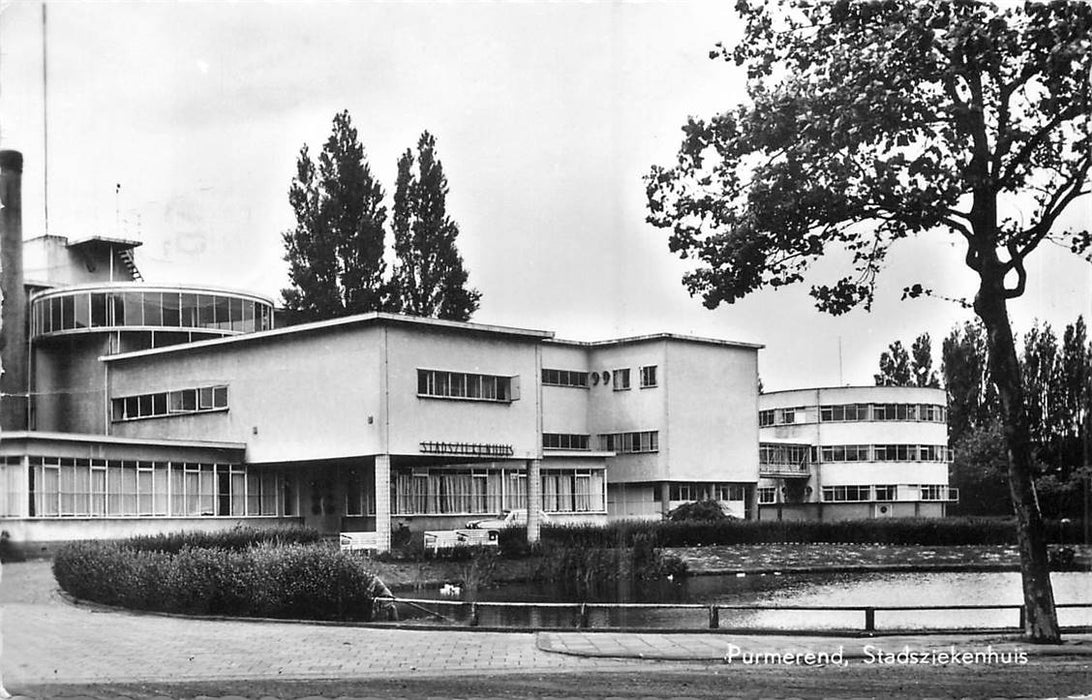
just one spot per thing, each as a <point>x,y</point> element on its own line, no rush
<point>474,449</point>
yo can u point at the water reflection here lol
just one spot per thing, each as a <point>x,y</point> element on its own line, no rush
<point>560,607</point>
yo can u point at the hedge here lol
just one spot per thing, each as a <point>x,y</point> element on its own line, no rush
<point>906,531</point>
<point>234,539</point>
<point>279,580</point>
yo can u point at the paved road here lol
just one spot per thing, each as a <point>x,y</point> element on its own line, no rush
<point>54,648</point>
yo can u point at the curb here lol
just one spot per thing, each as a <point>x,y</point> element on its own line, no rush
<point>547,642</point>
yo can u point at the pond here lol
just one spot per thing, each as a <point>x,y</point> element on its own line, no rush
<point>558,607</point>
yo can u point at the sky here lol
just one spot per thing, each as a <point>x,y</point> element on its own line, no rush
<point>179,124</point>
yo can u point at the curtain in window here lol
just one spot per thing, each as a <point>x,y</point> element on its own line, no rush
<point>206,491</point>
<point>582,493</point>
<point>48,484</point>
<point>68,490</point>
<point>178,492</point>
<point>551,487</point>
<point>597,490</point>
<point>494,490</point>
<point>238,493</point>
<point>516,492</point>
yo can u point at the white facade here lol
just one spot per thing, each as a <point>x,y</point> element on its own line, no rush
<point>163,408</point>
<point>853,452</point>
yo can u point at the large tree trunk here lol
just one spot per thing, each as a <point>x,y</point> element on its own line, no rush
<point>1041,619</point>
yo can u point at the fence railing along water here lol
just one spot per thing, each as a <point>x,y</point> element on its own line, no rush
<point>858,619</point>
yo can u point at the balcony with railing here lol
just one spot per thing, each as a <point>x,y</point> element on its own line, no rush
<point>785,460</point>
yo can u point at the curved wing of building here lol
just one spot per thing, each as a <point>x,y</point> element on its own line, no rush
<point>853,452</point>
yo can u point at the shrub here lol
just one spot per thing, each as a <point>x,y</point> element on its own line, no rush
<point>271,579</point>
<point>702,511</point>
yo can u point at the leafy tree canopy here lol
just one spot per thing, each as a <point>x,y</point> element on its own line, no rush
<point>869,122</point>
<point>915,368</point>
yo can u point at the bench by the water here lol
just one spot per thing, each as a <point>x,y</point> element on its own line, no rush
<point>356,541</point>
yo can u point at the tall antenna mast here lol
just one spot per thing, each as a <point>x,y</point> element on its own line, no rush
<point>840,380</point>
<point>45,118</point>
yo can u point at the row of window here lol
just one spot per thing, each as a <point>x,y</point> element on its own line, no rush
<point>930,413</point>
<point>628,443</point>
<point>885,453</point>
<point>619,378</point>
<point>489,491</point>
<point>116,488</point>
<point>798,455</point>
<point>869,493</point>
<point>149,308</point>
<point>565,441</point>
<point>702,491</point>
<point>169,403</point>
<point>462,385</point>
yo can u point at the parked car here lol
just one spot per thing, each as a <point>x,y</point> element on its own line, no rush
<point>511,518</point>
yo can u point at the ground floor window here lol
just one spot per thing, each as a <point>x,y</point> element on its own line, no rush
<point>767,494</point>
<point>847,493</point>
<point>58,487</point>
<point>486,490</point>
<point>12,488</point>
<point>886,492</point>
<point>707,491</point>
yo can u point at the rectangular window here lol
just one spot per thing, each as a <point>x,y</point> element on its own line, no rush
<point>623,443</point>
<point>765,418</point>
<point>565,441</point>
<point>460,385</point>
<point>847,494</point>
<point>166,403</point>
<point>767,494</point>
<point>934,492</point>
<point>621,379</point>
<point>648,376</point>
<point>171,311</point>
<point>565,377</point>
<point>886,492</point>
<point>98,310</point>
<point>153,308</point>
<point>681,492</point>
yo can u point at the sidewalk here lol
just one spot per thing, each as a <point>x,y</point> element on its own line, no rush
<point>49,641</point>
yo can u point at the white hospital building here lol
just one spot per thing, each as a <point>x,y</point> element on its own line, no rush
<point>135,408</point>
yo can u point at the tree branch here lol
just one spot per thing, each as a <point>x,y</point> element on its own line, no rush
<point>1016,262</point>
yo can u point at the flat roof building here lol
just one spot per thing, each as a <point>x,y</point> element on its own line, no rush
<point>152,407</point>
<point>853,452</point>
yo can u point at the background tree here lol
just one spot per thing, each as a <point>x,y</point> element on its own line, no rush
<point>335,252</point>
<point>870,122</point>
<point>895,367</point>
<point>429,277</point>
<point>900,368</point>
<point>980,471</point>
<point>921,363</point>
<point>972,399</point>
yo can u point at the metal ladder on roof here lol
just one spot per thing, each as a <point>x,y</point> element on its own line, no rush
<point>126,256</point>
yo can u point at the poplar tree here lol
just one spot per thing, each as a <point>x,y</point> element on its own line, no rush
<point>335,251</point>
<point>429,276</point>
